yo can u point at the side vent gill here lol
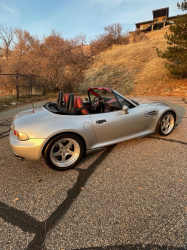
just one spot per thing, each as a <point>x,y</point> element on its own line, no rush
<point>150,113</point>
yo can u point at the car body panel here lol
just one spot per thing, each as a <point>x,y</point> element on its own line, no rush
<point>30,149</point>
<point>40,125</point>
<point>150,121</point>
<point>121,139</point>
<point>47,126</point>
<point>117,124</point>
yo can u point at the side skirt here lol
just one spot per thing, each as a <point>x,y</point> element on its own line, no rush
<point>121,139</point>
<point>146,135</point>
<point>94,150</point>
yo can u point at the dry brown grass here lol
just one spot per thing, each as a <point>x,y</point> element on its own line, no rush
<point>135,68</point>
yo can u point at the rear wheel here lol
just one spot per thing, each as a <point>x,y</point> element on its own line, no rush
<point>166,124</point>
<point>64,152</point>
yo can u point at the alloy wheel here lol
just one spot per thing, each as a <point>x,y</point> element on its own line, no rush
<point>167,124</point>
<point>64,152</point>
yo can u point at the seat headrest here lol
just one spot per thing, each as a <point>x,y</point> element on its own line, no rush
<point>66,97</point>
<point>70,102</point>
<point>60,99</point>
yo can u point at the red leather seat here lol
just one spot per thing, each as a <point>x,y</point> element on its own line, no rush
<point>78,103</point>
<point>66,97</point>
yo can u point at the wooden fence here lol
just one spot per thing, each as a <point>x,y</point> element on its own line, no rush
<point>29,83</point>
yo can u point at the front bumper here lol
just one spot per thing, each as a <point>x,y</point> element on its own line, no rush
<point>29,150</point>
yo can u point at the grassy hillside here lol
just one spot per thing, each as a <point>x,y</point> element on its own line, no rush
<point>136,69</point>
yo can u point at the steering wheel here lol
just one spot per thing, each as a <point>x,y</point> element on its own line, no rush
<point>95,103</point>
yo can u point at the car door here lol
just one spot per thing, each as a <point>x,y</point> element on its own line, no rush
<point>117,124</point>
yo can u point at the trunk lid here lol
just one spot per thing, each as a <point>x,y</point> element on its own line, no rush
<point>28,116</point>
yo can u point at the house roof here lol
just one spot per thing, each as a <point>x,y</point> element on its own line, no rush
<point>161,12</point>
<point>158,13</point>
<point>171,17</point>
<point>151,21</point>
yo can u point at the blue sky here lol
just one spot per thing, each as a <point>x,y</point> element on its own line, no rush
<point>72,17</point>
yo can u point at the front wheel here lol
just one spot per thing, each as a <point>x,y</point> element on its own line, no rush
<point>64,152</point>
<point>166,124</point>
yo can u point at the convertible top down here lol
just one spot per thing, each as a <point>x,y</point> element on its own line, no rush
<point>65,130</point>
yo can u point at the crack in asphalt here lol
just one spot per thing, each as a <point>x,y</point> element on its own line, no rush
<point>134,247</point>
<point>171,140</point>
<point>28,224</point>
<point>184,100</point>
<point>4,134</point>
<point>4,122</point>
<point>19,218</point>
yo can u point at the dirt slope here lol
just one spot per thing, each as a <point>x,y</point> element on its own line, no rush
<point>136,69</point>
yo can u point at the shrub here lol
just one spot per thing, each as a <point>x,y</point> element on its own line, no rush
<point>139,36</point>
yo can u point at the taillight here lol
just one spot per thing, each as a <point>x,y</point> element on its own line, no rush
<point>20,136</point>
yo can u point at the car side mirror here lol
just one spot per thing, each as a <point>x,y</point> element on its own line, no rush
<point>125,109</point>
<point>86,99</point>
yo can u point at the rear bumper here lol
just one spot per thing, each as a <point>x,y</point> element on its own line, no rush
<point>29,150</point>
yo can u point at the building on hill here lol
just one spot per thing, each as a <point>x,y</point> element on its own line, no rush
<point>160,19</point>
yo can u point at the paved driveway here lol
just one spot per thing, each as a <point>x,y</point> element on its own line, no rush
<point>129,196</point>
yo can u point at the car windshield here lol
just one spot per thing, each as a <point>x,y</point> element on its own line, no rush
<point>122,101</point>
<point>107,96</point>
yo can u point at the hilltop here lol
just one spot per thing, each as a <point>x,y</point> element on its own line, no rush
<point>136,69</point>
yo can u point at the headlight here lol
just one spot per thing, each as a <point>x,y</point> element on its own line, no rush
<point>20,136</point>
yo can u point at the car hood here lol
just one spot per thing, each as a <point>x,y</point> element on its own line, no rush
<point>151,104</point>
<point>160,107</point>
<point>154,104</point>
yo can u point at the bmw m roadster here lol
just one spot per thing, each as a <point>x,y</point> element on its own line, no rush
<point>65,130</point>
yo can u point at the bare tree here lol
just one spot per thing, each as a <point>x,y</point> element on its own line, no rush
<point>6,35</point>
<point>183,5</point>
<point>115,32</point>
<point>113,35</point>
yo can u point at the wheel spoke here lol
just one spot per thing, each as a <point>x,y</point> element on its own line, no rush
<point>60,145</point>
<point>69,145</point>
<point>163,126</point>
<point>70,152</point>
<point>57,153</point>
<point>63,157</point>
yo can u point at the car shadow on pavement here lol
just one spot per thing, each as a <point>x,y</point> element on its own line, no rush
<point>134,247</point>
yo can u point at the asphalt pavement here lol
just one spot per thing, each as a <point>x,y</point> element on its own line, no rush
<point>130,196</point>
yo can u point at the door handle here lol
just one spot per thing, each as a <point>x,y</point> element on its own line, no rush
<point>100,121</point>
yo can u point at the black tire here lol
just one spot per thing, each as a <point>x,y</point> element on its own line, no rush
<point>166,123</point>
<point>59,156</point>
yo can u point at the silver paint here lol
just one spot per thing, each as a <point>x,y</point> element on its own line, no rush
<point>42,125</point>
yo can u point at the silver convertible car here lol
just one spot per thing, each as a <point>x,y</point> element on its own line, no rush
<point>64,131</point>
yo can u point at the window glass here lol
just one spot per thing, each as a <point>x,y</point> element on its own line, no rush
<point>124,102</point>
<point>108,97</point>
